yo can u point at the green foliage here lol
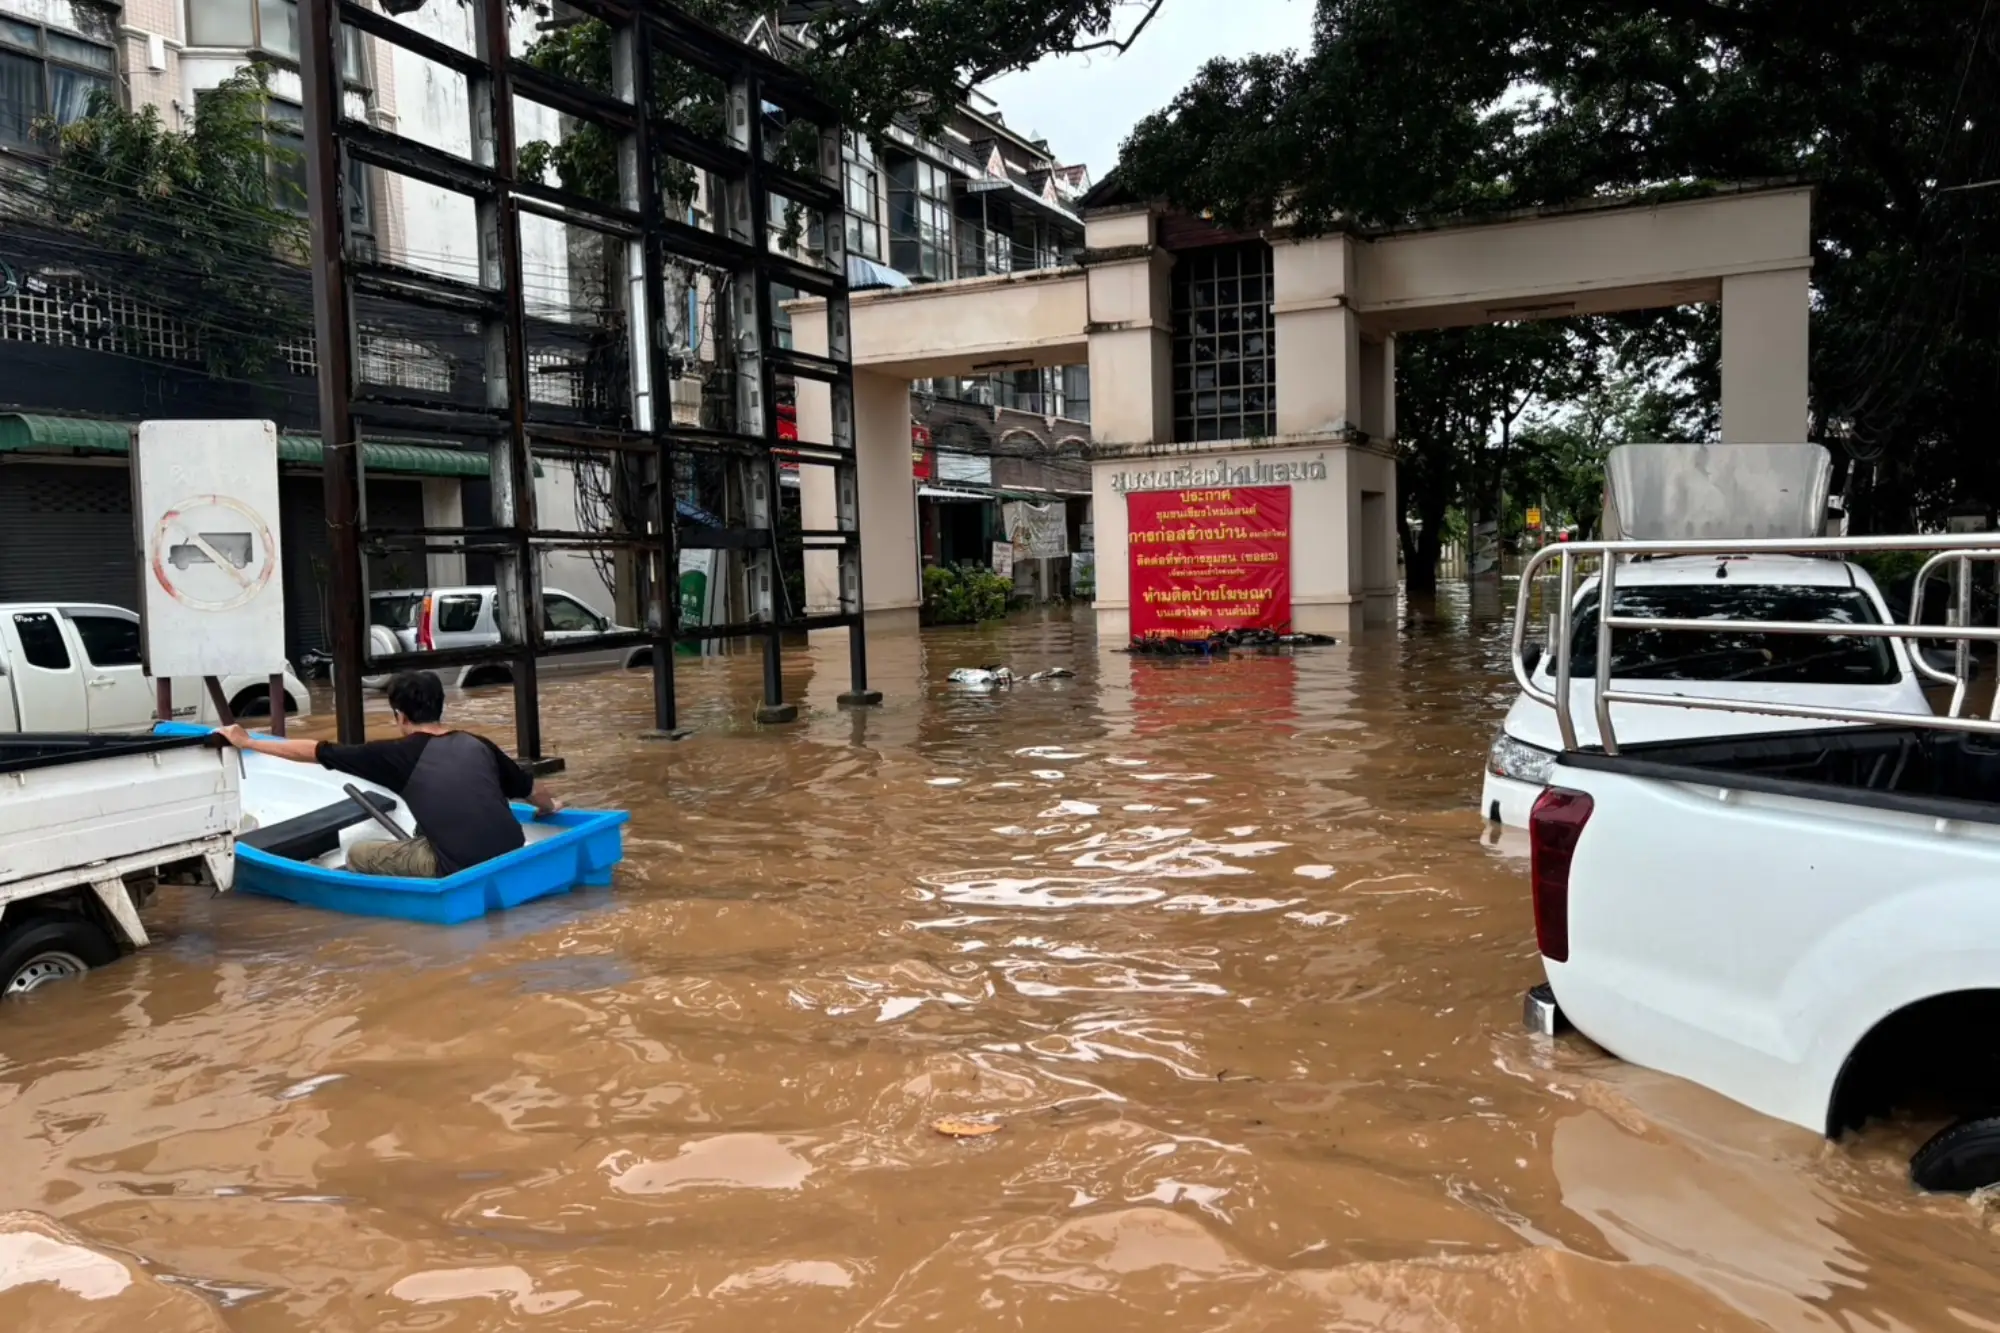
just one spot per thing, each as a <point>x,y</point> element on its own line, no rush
<point>195,215</point>
<point>1405,110</point>
<point>964,595</point>
<point>194,212</point>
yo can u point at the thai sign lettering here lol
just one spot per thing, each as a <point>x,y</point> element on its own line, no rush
<point>1257,472</point>
<point>1204,561</point>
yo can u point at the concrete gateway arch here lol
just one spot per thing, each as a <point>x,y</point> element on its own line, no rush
<point>1317,412</point>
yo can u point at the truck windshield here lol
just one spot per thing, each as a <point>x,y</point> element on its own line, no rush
<point>394,610</point>
<point>1796,659</point>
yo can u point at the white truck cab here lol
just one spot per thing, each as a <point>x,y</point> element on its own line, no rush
<point>74,666</point>
<point>1852,673</point>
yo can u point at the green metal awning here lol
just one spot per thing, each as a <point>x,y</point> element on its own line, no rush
<point>29,433</point>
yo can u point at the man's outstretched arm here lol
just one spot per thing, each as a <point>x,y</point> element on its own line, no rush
<point>299,752</point>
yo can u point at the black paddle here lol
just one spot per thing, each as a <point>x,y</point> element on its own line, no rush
<point>375,812</point>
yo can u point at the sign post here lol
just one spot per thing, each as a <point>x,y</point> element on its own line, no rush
<point>1207,561</point>
<point>213,596</point>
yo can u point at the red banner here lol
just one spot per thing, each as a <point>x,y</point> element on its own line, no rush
<point>1207,561</point>
<point>922,457</point>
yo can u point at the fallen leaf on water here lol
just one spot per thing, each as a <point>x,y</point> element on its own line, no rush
<point>961,1127</point>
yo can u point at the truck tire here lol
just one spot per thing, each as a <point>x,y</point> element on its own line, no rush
<point>40,949</point>
<point>1960,1158</point>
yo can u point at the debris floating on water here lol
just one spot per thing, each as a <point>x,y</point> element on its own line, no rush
<point>1000,677</point>
<point>964,1127</point>
<point>1224,642</point>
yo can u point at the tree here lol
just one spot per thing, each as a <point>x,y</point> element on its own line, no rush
<point>1562,452</point>
<point>193,213</point>
<point>1407,109</point>
<point>1462,395</point>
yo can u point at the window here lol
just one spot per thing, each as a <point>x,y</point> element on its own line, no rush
<point>395,611</point>
<point>920,218</point>
<point>270,26</point>
<point>286,126</point>
<point>108,641</point>
<point>1225,362</point>
<point>41,640</point>
<point>864,187</point>
<point>1076,393</point>
<point>458,615</point>
<point>560,614</point>
<point>1789,659</point>
<point>47,73</point>
<point>287,122</point>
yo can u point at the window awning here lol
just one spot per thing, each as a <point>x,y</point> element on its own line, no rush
<point>31,433</point>
<point>942,493</point>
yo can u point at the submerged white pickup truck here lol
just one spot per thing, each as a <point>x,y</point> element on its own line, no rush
<point>1806,921</point>
<point>89,826</point>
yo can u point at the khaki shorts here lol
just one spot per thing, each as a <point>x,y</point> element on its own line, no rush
<point>403,860</point>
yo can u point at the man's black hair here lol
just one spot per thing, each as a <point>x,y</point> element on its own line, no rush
<point>417,695</point>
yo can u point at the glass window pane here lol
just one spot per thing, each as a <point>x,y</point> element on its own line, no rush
<point>288,170</point>
<point>81,53</point>
<point>108,640</point>
<point>20,97</point>
<point>353,62</point>
<point>42,640</point>
<point>221,23</point>
<point>458,615</point>
<point>21,34</point>
<point>278,27</point>
<point>70,92</point>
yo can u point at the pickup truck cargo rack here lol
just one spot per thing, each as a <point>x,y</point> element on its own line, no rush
<point>1959,551</point>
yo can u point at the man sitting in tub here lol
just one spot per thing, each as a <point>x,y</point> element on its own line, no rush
<point>457,785</point>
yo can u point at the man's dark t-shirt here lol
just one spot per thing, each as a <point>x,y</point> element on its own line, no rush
<point>457,786</point>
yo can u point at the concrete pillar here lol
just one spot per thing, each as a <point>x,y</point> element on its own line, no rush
<point>444,507</point>
<point>891,588</point>
<point>1130,331</point>
<point>1765,317</point>
<point>890,580</point>
<point>1320,360</point>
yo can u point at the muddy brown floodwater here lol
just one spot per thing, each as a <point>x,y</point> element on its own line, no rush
<point>1222,947</point>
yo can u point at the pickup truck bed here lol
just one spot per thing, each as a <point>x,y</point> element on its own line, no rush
<point>88,822</point>
<point>1910,770</point>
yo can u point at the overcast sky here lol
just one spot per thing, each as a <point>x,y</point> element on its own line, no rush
<point>1086,105</point>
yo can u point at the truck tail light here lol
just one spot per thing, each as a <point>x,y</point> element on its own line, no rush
<point>1553,829</point>
<point>425,640</point>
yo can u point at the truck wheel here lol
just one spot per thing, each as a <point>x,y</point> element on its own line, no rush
<point>42,949</point>
<point>1960,1158</point>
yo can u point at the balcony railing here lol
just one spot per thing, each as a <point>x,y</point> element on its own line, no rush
<point>981,252</point>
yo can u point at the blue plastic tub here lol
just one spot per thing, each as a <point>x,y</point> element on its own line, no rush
<point>590,843</point>
<point>583,850</point>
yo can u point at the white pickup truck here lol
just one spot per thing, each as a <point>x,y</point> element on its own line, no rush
<point>89,825</point>
<point>1805,921</point>
<point>67,666</point>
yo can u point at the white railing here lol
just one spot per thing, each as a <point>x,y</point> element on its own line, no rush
<point>1959,550</point>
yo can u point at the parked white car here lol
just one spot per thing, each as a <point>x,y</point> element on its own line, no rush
<point>411,620</point>
<point>1849,673</point>
<point>74,666</point>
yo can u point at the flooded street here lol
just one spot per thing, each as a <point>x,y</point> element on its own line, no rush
<point>1222,947</point>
